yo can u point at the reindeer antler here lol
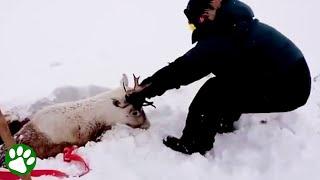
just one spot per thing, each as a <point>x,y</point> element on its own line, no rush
<point>136,82</point>
<point>148,103</point>
<point>124,87</point>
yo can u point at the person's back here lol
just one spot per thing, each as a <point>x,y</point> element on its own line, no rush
<point>239,48</point>
<point>279,65</point>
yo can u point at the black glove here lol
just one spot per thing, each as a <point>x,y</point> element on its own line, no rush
<point>138,98</point>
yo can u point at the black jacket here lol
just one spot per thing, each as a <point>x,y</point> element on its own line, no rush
<point>238,48</point>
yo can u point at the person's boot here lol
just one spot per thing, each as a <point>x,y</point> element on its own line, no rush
<point>198,135</point>
<point>187,146</point>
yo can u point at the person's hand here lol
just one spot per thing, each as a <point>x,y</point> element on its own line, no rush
<point>136,99</point>
<point>137,96</point>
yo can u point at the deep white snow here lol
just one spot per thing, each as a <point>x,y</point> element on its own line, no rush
<point>72,44</point>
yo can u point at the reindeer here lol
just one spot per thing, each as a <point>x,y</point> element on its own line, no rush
<point>54,127</point>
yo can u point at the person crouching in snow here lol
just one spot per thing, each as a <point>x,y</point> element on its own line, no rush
<point>257,69</point>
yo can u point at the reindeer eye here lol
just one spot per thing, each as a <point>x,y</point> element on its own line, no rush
<point>115,102</point>
<point>135,113</point>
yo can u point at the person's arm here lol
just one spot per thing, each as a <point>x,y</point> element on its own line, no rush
<point>206,57</point>
<point>192,66</point>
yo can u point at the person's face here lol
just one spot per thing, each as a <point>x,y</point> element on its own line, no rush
<point>208,14</point>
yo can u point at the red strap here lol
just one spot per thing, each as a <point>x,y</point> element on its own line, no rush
<point>68,156</point>
<point>6,175</point>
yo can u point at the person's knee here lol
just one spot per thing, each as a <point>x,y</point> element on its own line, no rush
<point>205,95</point>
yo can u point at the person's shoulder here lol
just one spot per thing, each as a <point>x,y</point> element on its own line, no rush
<point>237,9</point>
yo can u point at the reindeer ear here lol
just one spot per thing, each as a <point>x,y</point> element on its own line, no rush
<point>124,81</point>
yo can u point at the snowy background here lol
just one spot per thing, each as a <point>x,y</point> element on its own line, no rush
<point>60,50</point>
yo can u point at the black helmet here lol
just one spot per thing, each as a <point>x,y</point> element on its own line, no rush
<point>195,8</point>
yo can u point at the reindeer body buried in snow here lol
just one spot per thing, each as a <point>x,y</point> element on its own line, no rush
<point>53,128</point>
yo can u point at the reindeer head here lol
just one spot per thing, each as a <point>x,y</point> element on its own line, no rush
<point>130,115</point>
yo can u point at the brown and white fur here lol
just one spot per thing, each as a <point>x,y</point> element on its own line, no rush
<point>75,123</point>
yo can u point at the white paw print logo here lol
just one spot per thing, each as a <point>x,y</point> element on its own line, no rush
<point>20,159</point>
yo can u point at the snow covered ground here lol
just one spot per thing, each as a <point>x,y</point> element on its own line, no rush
<point>46,44</point>
<point>286,147</point>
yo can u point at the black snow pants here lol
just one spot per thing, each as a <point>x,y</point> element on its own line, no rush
<point>220,102</point>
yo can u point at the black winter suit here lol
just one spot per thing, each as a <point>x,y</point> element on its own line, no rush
<point>257,69</point>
